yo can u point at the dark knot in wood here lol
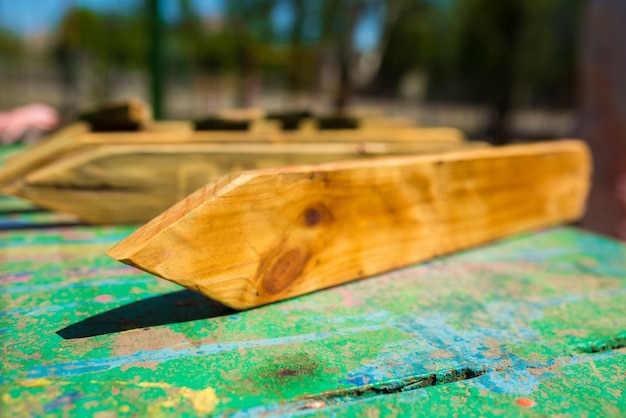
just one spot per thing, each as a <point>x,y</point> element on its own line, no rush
<point>284,271</point>
<point>312,216</point>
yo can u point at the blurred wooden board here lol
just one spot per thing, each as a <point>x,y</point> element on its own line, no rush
<point>131,115</point>
<point>268,131</point>
<point>530,325</point>
<point>260,236</point>
<point>113,184</point>
<point>17,213</point>
<point>53,147</point>
<point>78,137</point>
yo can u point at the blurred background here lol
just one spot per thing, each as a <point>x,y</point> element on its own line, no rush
<point>515,70</point>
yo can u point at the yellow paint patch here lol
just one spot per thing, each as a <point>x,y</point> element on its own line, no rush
<point>154,385</point>
<point>204,401</point>
<point>124,408</point>
<point>6,398</point>
<point>35,383</point>
<point>155,407</point>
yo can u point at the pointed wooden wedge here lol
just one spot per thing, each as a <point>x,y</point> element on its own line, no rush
<point>133,183</point>
<point>80,136</point>
<point>55,146</point>
<point>262,236</point>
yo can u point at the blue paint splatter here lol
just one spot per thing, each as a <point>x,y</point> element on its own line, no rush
<point>437,343</point>
<point>62,400</point>
<point>90,366</point>
<point>59,286</point>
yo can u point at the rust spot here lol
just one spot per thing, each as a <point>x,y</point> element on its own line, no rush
<point>284,271</point>
<point>312,216</point>
<point>286,372</point>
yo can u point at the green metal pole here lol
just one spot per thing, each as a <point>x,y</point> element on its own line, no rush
<point>156,64</point>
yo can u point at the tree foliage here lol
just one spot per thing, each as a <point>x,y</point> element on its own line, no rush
<point>471,49</point>
<point>483,51</point>
<point>109,38</point>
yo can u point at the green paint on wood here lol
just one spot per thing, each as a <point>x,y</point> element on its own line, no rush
<point>594,386</point>
<point>9,205</point>
<point>472,333</point>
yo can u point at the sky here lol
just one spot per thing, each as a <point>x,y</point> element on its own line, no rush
<point>27,17</point>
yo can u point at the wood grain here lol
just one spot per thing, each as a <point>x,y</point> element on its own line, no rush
<point>262,236</point>
<point>131,115</point>
<point>77,137</point>
<point>55,146</point>
<point>269,131</point>
<point>133,183</point>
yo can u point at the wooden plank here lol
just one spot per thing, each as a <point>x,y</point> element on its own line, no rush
<point>268,131</point>
<point>131,115</point>
<point>537,317</point>
<point>261,236</point>
<point>115,184</point>
<point>290,123</point>
<point>55,146</point>
<point>78,138</point>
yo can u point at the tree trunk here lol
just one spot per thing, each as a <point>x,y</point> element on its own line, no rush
<point>349,17</point>
<point>503,82</point>
<point>603,113</point>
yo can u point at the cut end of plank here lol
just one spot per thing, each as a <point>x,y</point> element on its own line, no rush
<point>131,115</point>
<point>262,236</point>
<point>126,249</point>
<point>54,146</point>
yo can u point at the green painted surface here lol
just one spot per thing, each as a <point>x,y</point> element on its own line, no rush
<point>19,214</point>
<point>32,218</point>
<point>589,385</point>
<point>536,320</point>
<point>10,205</point>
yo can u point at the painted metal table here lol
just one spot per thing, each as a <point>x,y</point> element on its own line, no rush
<point>533,324</point>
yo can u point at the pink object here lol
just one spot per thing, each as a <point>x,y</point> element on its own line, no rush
<point>17,122</point>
